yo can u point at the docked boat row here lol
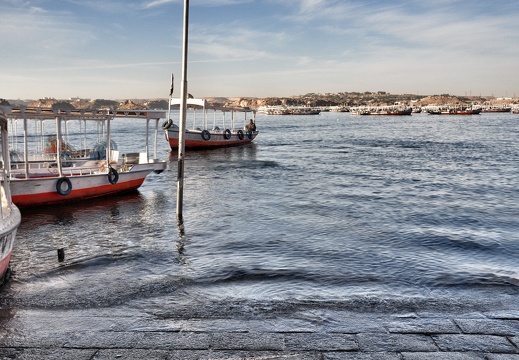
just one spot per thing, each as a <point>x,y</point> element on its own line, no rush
<point>394,109</point>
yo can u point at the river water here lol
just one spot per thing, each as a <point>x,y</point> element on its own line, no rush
<point>398,211</point>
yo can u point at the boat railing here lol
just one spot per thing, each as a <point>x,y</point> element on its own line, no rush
<point>38,169</point>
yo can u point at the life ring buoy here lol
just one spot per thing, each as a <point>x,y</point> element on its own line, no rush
<point>240,134</point>
<point>59,187</point>
<point>227,134</point>
<point>206,135</point>
<point>249,134</point>
<point>167,124</point>
<point>113,176</point>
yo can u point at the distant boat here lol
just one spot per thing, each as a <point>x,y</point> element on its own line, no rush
<point>381,110</point>
<point>496,108</point>
<point>453,110</point>
<point>273,110</point>
<point>9,213</point>
<point>70,160</point>
<point>461,110</point>
<point>206,133</point>
<point>303,110</point>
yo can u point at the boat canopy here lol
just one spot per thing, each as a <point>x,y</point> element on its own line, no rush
<point>202,103</point>
<point>83,114</point>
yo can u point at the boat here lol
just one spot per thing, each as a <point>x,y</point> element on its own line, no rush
<point>76,157</point>
<point>303,110</point>
<point>496,108</point>
<point>207,133</point>
<point>381,110</point>
<point>461,110</point>
<point>9,212</point>
<point>273,110</point>
<point>453,110</point>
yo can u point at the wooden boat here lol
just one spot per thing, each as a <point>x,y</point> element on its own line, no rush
<point>203,134</point>
<point>496,109</point>
<point>71,161</point>
<point>9,213</point>
<point>381,110</point>
<point>453,110</point>
<point>303,110</point>
<point>461,110</point>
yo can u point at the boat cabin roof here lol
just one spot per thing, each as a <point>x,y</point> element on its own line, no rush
<point>81,114</point>
<point>202,103</point>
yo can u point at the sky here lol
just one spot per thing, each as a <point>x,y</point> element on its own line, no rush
<point>128,49</point>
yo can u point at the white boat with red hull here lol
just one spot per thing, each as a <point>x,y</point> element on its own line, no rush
<point>9,213</point>
<point>54,166</point>
<point>206,135</point>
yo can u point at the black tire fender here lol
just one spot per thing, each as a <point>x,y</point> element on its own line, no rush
<point>167,124</point>
<point>240,134</point>
<point>206,135</point>
<point>113,176</point>
<point>227,134</point>
<point>59,187</point>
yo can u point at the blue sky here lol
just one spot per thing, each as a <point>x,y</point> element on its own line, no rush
<point>118,49</point>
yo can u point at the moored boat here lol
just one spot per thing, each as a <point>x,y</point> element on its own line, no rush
<point>453,110</point>
<point>273,110</point>
<point>381,110</point>
<point>303,110</point>
<point>496,108</point>
<point>76,157</point>
<point>9,213</point>
<point>461,110</point>
<point>206,132</point>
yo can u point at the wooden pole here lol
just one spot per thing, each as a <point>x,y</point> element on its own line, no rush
<point>183,110</point>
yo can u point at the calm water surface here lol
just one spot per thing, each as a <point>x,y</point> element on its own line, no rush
<point>330,208</point>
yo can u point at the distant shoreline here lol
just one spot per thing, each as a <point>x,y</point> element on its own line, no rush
<point>379,98</point>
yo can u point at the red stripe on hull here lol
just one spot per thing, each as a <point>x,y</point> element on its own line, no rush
<point>4,264</point>
<point>76,195</point>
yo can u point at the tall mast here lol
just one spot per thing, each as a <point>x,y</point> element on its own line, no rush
<point>183,110</point>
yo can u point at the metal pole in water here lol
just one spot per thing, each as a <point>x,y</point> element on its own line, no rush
<point>183,110</point>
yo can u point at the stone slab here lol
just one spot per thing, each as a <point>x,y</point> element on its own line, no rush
<point>486,343</point>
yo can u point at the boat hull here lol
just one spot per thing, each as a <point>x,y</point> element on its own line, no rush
<point>198,139</point>
<point>9,227</point>
<point>461,112</point>
<point>37,191</point>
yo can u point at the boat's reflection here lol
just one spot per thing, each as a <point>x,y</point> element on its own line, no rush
<point>232,153</point>
<point>68,214</point>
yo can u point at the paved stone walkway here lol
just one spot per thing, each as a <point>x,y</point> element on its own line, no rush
<point>123,333</point>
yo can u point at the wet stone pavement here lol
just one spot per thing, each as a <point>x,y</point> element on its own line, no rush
<point>312,333</point>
